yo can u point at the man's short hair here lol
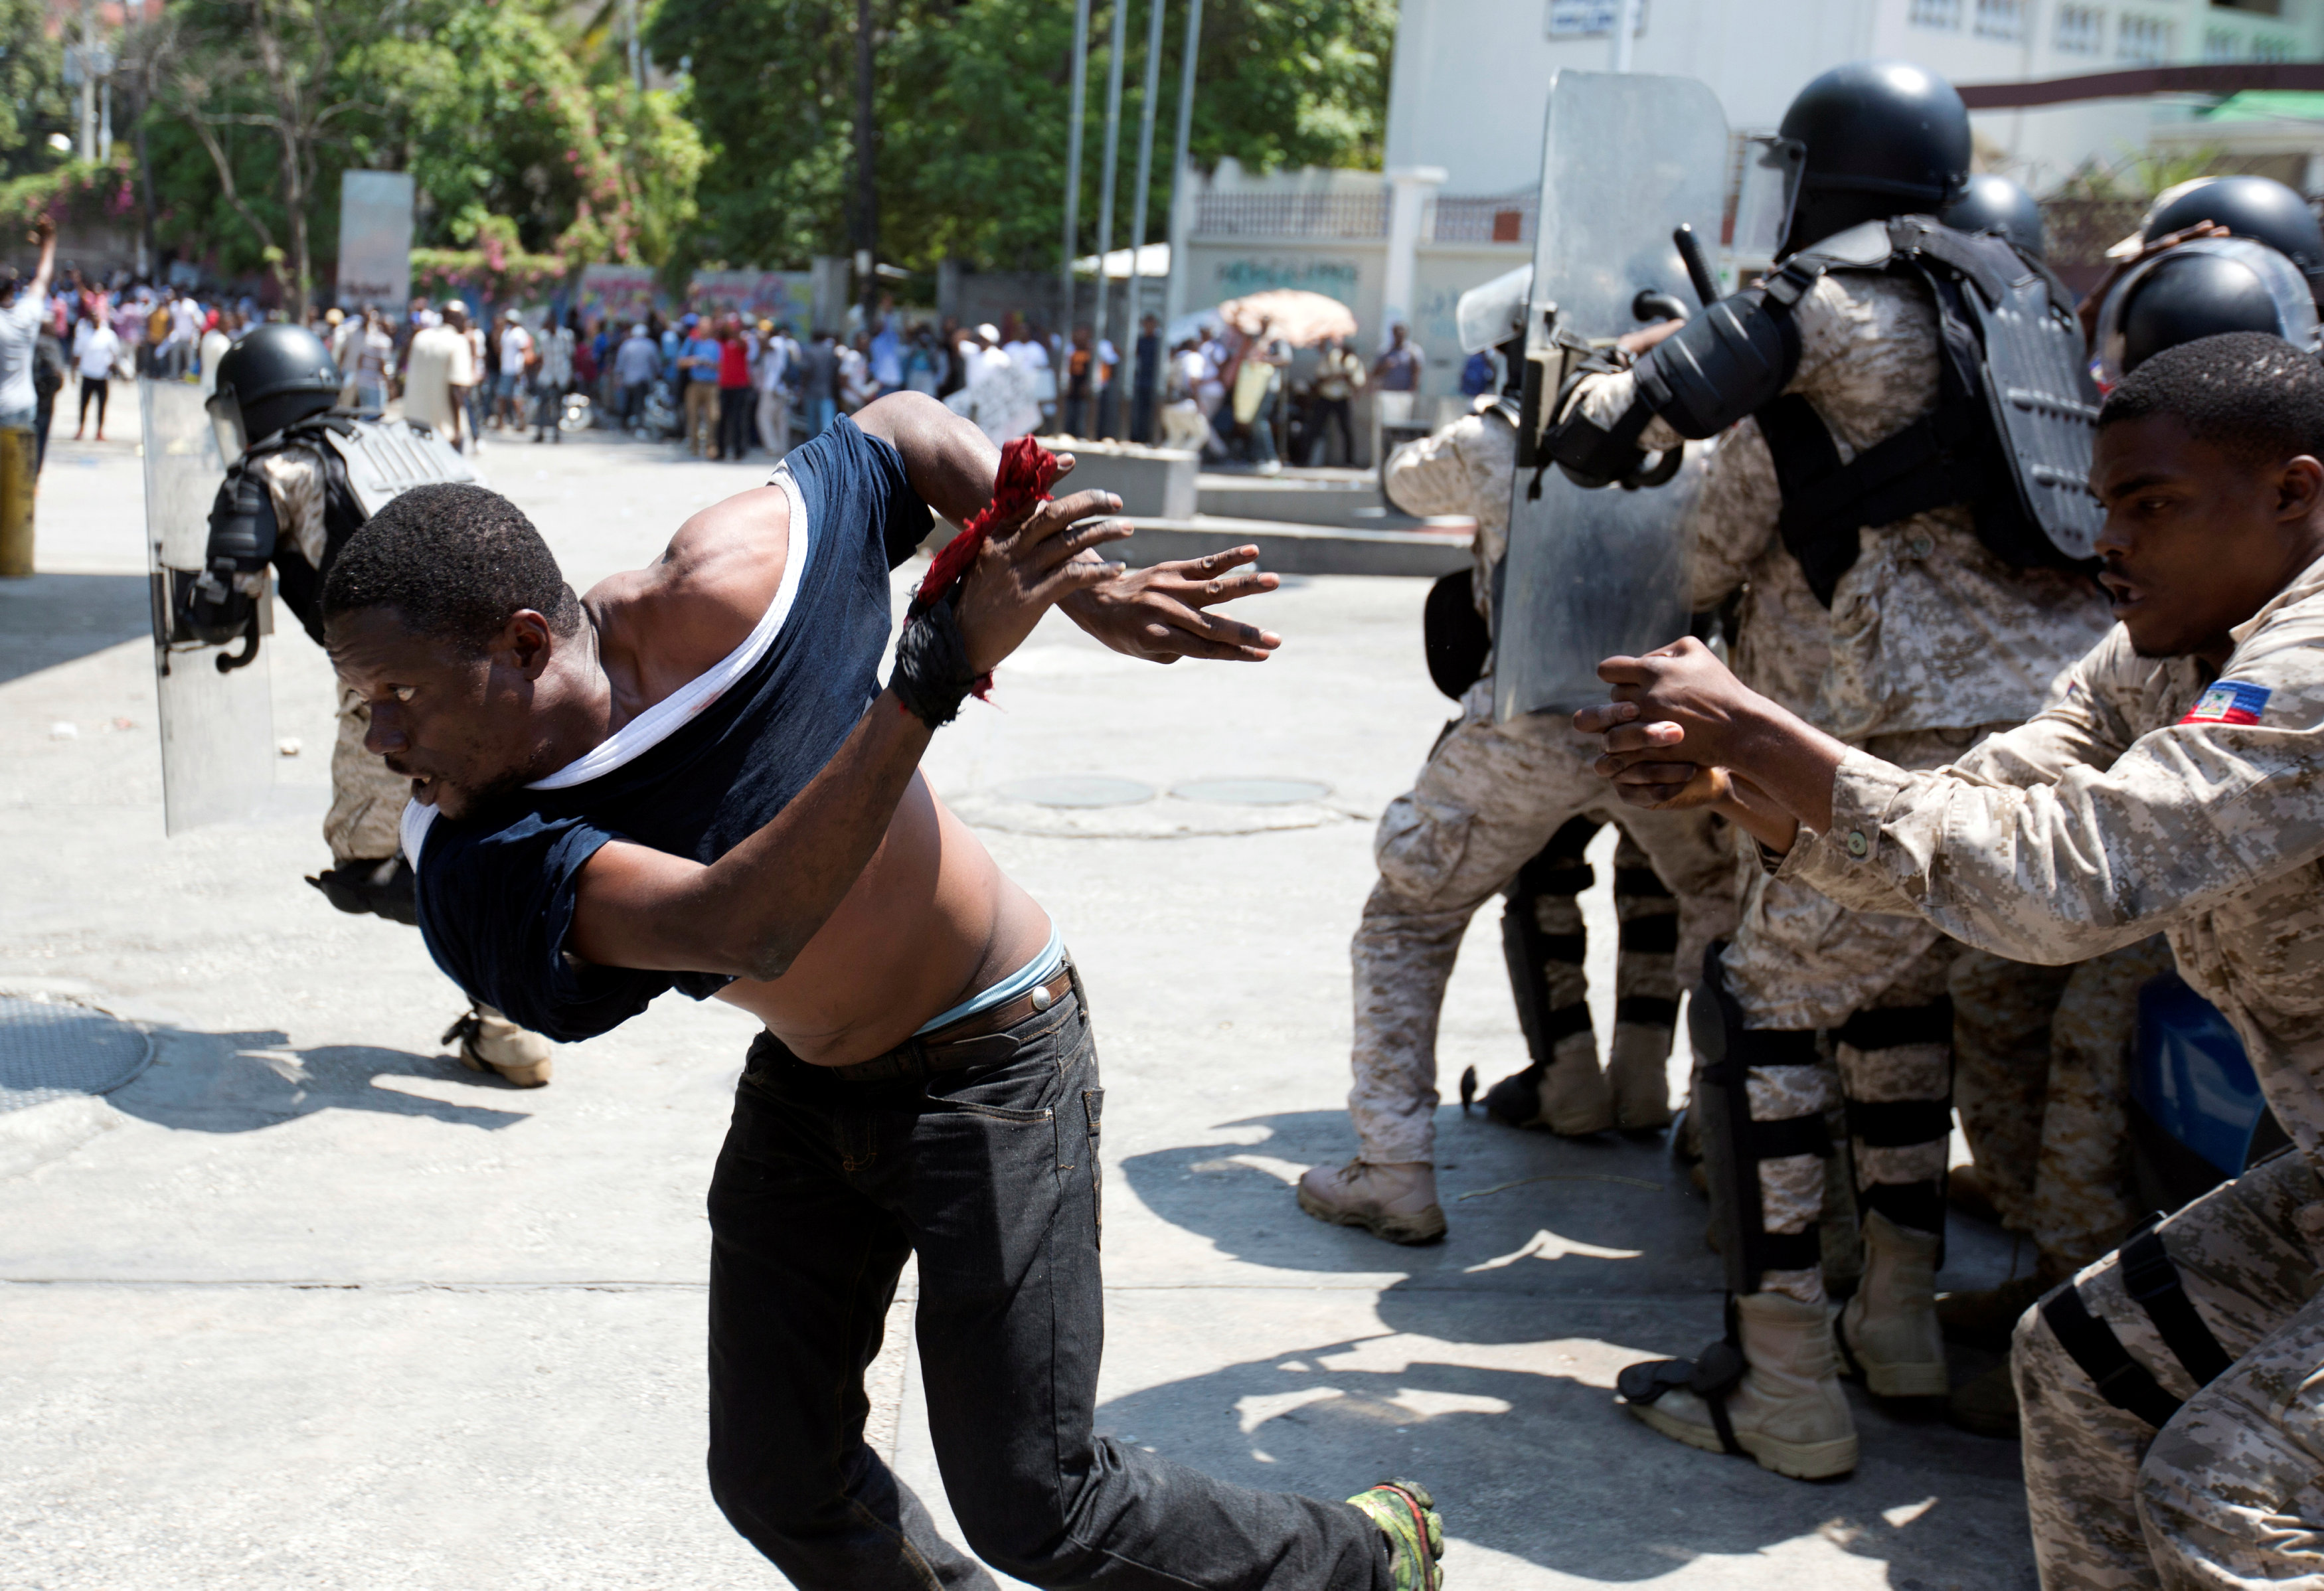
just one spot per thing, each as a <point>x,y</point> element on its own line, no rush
<point>455,562</point>
<point>2246,392</point>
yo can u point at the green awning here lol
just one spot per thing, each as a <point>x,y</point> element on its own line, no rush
<point>2266,104</point>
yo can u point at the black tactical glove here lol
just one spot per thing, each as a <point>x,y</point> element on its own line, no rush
<point>216,606</point>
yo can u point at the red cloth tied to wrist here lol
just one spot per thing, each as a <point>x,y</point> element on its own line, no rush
<point>1027,471</point>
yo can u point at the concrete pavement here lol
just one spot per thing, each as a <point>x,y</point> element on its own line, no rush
<point>307,1305</point>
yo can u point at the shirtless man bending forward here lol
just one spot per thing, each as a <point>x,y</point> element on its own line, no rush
<point>691,778</point>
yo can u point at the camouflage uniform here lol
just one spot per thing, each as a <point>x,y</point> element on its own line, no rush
<point>364,820</point>
<point>2150,797</point>
<point>366,800</point>
<point>1510,807</point>
<point>1490,797</point>
<point>1930,642</point>
<point>1463,467</point>
<point>2043,1085</point>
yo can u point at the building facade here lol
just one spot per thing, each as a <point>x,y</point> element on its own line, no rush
<point>1456,204</point>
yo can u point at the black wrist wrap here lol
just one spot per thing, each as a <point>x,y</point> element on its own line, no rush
<point>932,677</point>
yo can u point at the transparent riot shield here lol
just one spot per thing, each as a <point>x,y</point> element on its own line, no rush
<point>1626,160</point>
<point>217,723</point>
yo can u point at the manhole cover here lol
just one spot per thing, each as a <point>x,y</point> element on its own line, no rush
<point>48,1049</point>
<point>1251,792</point>
<point>1077,789</point>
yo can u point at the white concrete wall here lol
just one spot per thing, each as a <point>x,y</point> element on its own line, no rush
<point>1470,77</point>
<point>1347,269</point>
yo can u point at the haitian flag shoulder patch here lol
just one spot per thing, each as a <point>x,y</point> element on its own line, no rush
<point>2230,702</point>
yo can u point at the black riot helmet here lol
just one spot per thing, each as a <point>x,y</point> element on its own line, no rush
<point>1997,205</point>
<point>2185,296</point>
<point>1880,138</point>
<point>2259,207</point>
<point>275,375</point>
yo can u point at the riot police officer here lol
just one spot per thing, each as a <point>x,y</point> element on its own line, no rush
<point>1994,204</point>
<point>2259,209</point>
<point>1910,557</point>
<point>2203,287</point>
<point>1504,807</point>
<point>301,478</point>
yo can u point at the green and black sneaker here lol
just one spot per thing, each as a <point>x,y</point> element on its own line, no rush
<point>1407,1515</point>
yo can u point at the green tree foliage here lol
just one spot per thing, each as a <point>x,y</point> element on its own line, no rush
<point>237,72</point>
<point>973,98</point>
<point>34,99</point>
<point>522,131</point>
<point>497,112</point>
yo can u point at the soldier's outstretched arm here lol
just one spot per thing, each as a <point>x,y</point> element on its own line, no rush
<point>2185,818</point>
<point>1427,475</point>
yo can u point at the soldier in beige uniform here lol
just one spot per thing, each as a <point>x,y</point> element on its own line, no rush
<point>1507,806</point>
<point>2042,1080</point>
<point>288,501</point>
<point>2173,1393</point>
<point>1890,598</point>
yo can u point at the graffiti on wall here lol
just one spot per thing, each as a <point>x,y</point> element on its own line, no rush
<point>1250,273</point>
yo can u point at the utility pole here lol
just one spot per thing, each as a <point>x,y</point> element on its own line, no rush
<point>1626,31</point>
<point>88,80</point>
<point>1106,189</point>
<point>1145,172</point>
<point>1073,169</point>
<point>867,195</point>
<point>1181,179</point>
<point>637,46</point>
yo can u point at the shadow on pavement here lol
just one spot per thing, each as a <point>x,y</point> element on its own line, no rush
<point>241,1082</point>
<point>1544,1467</point>
<point>1568,1259</point>
<point>52,619</point>
<point>1534,1218</point>
<point>1589,1219</point>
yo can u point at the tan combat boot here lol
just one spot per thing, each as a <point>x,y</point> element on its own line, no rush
<point>1787,1411</point>
<point>1986,1405</point>
<point>1396,1202</point>
<point>1637,1070</point>
<point>1986,1318</point>
<point>1889,1329</point>
<point>1575,1099</point>
<point>490,1042</point>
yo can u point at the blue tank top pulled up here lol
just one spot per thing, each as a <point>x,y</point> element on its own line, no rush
<point>690,776</point>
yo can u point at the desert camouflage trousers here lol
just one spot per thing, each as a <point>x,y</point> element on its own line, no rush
<point>2230,1492</point>
<point>2042,1058</point>
<point>1487,802</point>
<point>1877,985</point>
<point>367,801</point>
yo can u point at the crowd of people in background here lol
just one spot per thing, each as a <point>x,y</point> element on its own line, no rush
<point>92,329</point>
<point>728,384</point>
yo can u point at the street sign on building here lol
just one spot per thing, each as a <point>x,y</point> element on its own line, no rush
<point>376,240</point>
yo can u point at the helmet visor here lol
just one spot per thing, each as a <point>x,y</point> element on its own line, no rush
<point>2295,311</point>
<point>1493,312</point>
<point>225,420</point>
<point>1772,165</point>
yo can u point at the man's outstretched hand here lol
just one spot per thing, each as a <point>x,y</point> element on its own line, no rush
<point>1161,613</point>
<point>1675,713</point>
<point>1029,564</point>
<point>1683,731</point>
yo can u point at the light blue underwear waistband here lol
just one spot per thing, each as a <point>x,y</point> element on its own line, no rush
<point>1039,970</point>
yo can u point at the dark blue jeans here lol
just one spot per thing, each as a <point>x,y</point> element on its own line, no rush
<point>990,1175</point>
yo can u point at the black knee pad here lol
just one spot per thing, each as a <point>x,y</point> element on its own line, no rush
<point>1734,1144</point>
